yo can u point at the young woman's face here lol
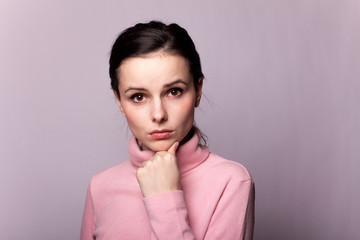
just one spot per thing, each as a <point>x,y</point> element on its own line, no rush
<point>157,97</point>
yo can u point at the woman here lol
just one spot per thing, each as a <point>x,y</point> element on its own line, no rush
<point>172,187</point>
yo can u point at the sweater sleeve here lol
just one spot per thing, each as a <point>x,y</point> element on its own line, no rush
<point>168,208</point>
<point>233,217</point>
<point>88,221</point>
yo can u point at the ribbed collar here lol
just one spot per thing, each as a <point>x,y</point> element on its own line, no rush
<point>189,155</point>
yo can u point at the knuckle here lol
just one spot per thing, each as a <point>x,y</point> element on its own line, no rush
<point>159,155</point>
<point>140,172</point>
<point>146,164</point>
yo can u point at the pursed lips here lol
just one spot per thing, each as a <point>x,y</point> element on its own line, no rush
<point>161,134</point>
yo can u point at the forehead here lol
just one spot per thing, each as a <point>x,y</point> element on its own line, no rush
<point>153,70</point>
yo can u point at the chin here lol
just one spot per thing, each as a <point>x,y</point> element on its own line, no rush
<point>159,146</point>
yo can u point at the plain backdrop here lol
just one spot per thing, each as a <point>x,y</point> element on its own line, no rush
<point>282,95</point>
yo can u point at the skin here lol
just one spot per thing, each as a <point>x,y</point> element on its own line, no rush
<point>157,93</point>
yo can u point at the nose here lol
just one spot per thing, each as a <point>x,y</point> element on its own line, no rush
<point>159,113</point>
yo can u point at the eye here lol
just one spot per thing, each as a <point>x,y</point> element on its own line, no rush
<point>175,92</point>
<point>138,97</point>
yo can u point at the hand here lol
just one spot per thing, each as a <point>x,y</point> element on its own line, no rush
<point>160,173</point>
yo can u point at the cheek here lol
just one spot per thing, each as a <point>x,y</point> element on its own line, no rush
<point>133,118</point>
<point>186,111</point>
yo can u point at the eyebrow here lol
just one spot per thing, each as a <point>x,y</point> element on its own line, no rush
<point>134,89</point>
<point>175,82</point>
<point>165,86</point>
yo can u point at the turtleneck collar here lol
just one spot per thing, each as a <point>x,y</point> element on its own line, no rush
<point>189,155</point>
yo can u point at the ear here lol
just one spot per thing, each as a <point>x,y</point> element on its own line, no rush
<point>119,103</point>
<point>199,92</point>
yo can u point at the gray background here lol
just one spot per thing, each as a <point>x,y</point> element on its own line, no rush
<point>282,87</point>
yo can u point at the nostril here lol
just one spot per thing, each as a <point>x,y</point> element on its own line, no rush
<point>159,118</point>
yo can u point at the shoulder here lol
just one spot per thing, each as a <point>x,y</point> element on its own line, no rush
<point>112,175</point>
<point>229,169</point>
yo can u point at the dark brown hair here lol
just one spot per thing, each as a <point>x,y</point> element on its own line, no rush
<point>144,38</point>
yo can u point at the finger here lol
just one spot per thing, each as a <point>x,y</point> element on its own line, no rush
<point>146,164</point>
<point>173,148</point>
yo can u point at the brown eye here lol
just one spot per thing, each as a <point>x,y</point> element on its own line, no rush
<point>138,97</point>
<point>175,91</point>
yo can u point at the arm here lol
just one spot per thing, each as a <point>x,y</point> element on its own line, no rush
<point>88,221</point>
<point>233,217</point>
<point>159,180</point>
<point>168,215</point>
<point>164,201</point>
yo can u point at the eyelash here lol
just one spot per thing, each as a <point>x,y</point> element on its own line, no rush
<point>178,92</point>
<point>134,96</point>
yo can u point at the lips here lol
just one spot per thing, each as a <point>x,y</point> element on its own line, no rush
<point>161,134</point>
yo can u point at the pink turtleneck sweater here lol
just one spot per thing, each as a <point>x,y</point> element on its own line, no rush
<point>216,200</point>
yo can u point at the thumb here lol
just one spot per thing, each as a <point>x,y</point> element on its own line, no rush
<point>173,148</point>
